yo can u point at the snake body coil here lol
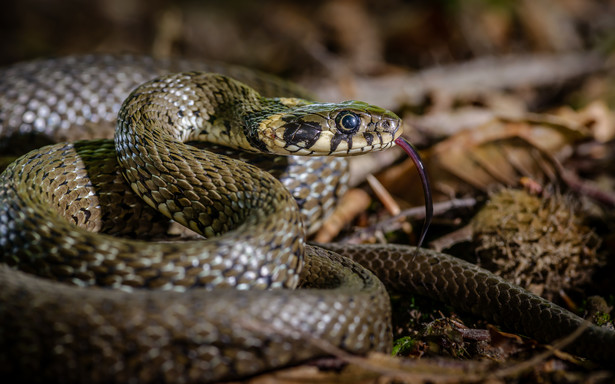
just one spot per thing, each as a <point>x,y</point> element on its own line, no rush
<point>61,204</point>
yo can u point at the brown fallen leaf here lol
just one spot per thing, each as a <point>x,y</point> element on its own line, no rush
<point>353,203</point>
<point>499,152</point>
<point>596,117</point>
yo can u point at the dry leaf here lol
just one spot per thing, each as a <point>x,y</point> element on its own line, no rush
<point>499,152</point>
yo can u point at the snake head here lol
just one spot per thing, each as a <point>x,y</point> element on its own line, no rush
<point>347,128</point>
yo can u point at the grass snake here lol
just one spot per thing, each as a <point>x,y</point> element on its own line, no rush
<point>74,212</point>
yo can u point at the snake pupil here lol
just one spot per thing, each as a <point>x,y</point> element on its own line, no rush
<point>349,122</point>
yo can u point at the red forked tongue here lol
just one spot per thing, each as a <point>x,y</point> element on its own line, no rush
<point>414,155</point>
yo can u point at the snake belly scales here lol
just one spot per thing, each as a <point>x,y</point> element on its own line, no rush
<point>67,211</point>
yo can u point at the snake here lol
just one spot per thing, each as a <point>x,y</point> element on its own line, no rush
<point>90,293</point>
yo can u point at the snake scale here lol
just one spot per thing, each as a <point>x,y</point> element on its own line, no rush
<point>71,211</point>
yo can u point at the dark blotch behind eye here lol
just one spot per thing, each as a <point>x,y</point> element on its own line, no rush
<point>348,122</point>
<point>302,133</point>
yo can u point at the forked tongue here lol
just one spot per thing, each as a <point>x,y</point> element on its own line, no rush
<point>418,163</point>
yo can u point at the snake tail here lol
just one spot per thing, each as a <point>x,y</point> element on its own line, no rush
<point>469,288</point>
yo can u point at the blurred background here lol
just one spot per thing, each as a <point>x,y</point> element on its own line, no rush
<point>316,38</point>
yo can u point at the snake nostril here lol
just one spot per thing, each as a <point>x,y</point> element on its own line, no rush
<point>389,125</point>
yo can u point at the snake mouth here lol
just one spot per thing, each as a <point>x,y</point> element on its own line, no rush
<point>308,137</point>
<point>327,129</point>
<point>356,145</point>
<point>329,144</point>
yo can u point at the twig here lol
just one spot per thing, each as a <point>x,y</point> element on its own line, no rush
<point>478,76</point>
<point>558,345</point>
<point>425,369</point>
<point>585,187</point>
<point>396,222</point>
<point>416,370</point>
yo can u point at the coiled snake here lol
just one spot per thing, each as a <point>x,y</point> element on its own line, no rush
<point>61,204</point>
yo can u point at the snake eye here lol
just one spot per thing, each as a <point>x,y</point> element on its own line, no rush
<point>348,122</point>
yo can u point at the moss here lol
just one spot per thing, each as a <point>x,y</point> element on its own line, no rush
<point>404,346</point>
